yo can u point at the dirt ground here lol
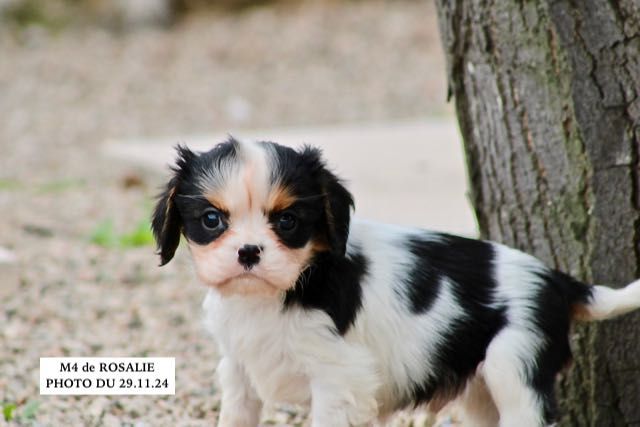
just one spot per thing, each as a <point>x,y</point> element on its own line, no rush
<point>86,281</point>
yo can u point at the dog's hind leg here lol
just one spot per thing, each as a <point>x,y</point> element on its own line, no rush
<point>474,407</point>
<point>506,369</point>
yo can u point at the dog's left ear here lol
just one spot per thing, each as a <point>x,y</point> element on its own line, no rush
<point>337,201</point>
<point>166,222</point>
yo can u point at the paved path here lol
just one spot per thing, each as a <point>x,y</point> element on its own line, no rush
<point>402,172</point>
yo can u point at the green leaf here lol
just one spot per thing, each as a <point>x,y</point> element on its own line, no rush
<point>10,185</point>
<point>8,410</point>
<point>140,236</point>
<point>104,234</point>
<point>61,185</point>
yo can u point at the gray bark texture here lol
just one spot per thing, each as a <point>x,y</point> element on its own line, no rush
<point>547,98</point>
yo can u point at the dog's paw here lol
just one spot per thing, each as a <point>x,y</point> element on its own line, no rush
<point>364,412</point>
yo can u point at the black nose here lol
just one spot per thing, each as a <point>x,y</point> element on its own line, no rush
<point>249,255</point>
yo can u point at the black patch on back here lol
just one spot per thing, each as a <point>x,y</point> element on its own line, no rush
<point>468,265</point>
<point>553,309</point>
<point>331,284</point>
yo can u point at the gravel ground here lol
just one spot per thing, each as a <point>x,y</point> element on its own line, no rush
<point>63,93</point>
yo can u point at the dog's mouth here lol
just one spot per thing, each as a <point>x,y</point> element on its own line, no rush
<point>246,276</point>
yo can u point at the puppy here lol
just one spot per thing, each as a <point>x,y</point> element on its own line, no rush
<point>360,319</point>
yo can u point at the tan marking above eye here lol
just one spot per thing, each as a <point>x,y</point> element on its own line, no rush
<point>280,198</point>
<point>216,202</point>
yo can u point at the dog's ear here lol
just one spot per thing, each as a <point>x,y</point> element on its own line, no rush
<point>337,203</point>
<point>166,222</point>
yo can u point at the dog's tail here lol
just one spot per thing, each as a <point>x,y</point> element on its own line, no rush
<point>602,302</point>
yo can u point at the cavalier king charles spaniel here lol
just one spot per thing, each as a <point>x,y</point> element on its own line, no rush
<point>357,319</point>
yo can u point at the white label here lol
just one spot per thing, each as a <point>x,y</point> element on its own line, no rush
<point>107,375</point>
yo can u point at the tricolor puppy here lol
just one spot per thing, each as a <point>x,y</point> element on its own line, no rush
<point>359,319</point>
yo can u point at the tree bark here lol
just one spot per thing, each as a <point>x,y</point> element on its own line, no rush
<point>547,98</point>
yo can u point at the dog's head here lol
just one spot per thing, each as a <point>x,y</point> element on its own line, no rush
<point>254,214</point>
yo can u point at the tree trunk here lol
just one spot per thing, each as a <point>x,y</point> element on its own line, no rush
<point>547,97</point>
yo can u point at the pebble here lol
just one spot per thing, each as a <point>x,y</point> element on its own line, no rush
<point>7,256</point>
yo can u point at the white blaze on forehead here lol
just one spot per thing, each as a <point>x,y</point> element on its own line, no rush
<point>240,182</point>
<point>248,187</point>
<point>255,173</point>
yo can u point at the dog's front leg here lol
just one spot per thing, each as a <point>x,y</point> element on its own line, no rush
<point>240,405</point>
<point>328,408</point>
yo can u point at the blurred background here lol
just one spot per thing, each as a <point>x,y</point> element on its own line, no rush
<point>93,95</point>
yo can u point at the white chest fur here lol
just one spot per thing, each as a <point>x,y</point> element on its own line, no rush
<point>273,346</point>
<point>286,353</point>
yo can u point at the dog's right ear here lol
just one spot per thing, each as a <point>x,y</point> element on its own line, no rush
<point>166,222</point>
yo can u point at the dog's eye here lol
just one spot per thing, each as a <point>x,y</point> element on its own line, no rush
<point>287,222</point>
<point>211,219</point>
